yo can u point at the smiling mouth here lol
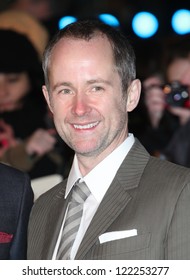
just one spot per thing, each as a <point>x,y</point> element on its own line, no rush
<point>85,126</point>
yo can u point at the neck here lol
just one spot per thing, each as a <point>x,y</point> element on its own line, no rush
<point>88,162</point>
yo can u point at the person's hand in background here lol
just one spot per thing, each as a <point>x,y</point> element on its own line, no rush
<point>41,142</point>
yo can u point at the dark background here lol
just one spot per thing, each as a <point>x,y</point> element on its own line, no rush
<point>124,10</point>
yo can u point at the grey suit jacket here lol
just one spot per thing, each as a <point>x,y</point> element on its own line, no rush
<point>147,194</point>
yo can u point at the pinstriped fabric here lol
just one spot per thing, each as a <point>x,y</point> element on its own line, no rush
<point>147,194</point>
<point>72,222</point>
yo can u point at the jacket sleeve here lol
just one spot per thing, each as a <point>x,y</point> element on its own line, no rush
<point>178,239</point>
<point>18,158</point>
<point>19,245</point>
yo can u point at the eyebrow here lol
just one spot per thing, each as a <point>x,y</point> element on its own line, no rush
<point>90,82</point>
<point>93,81</point>
<point>67,84</point>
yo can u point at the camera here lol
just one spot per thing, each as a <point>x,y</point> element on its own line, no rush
<point>176,94</point>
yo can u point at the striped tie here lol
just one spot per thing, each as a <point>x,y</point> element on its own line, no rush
<point>72,222</point>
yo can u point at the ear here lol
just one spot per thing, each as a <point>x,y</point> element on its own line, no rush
<point>133,95</point>
<point>47,97</point>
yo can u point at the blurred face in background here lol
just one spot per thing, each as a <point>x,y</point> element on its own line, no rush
<point>154,96</point>
<point>41,9</point>
<point>179,70</point>
<point>13,87</point>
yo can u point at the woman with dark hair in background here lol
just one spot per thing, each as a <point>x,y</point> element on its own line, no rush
<point>25,141</point>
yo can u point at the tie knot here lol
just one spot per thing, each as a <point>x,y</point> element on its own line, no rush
<point>80,192</point>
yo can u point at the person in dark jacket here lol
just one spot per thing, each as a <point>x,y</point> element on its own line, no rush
<point>16,201</point>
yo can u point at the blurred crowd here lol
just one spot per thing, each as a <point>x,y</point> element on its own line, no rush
<point>28,139</point>
<point>165,102</point>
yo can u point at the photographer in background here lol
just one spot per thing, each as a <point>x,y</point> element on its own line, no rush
<point>156,125</point>
<point>159,123</point>
<point>177,72</point>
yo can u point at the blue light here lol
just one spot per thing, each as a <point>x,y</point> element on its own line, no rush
<point>64,21</point>
<point>144,24</point>
<point>109,19</point>
<point>181,21</point>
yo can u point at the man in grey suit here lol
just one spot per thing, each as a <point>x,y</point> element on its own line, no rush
<point>139,206</point>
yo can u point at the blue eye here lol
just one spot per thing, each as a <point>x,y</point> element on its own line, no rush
<point>65,91</point>
<point>97,88</point>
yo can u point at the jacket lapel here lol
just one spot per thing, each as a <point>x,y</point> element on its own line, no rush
<point>113,203</point>
<point>54,222</point>
<point>110,207</point>
<point>117,196</point>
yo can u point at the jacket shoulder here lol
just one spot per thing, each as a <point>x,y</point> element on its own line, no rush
<point>52,194</point>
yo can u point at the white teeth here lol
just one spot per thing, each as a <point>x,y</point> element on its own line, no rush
<point>86,126</point>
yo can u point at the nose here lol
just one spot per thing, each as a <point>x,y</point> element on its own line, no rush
<point>80,106</point>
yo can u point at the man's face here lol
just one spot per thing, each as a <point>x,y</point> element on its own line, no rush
<point>86,98</point>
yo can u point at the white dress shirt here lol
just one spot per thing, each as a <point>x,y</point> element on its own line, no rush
<point>98,181</point>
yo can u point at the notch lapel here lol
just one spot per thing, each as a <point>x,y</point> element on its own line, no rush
<point>111,206</point>
<point>54,222</point>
